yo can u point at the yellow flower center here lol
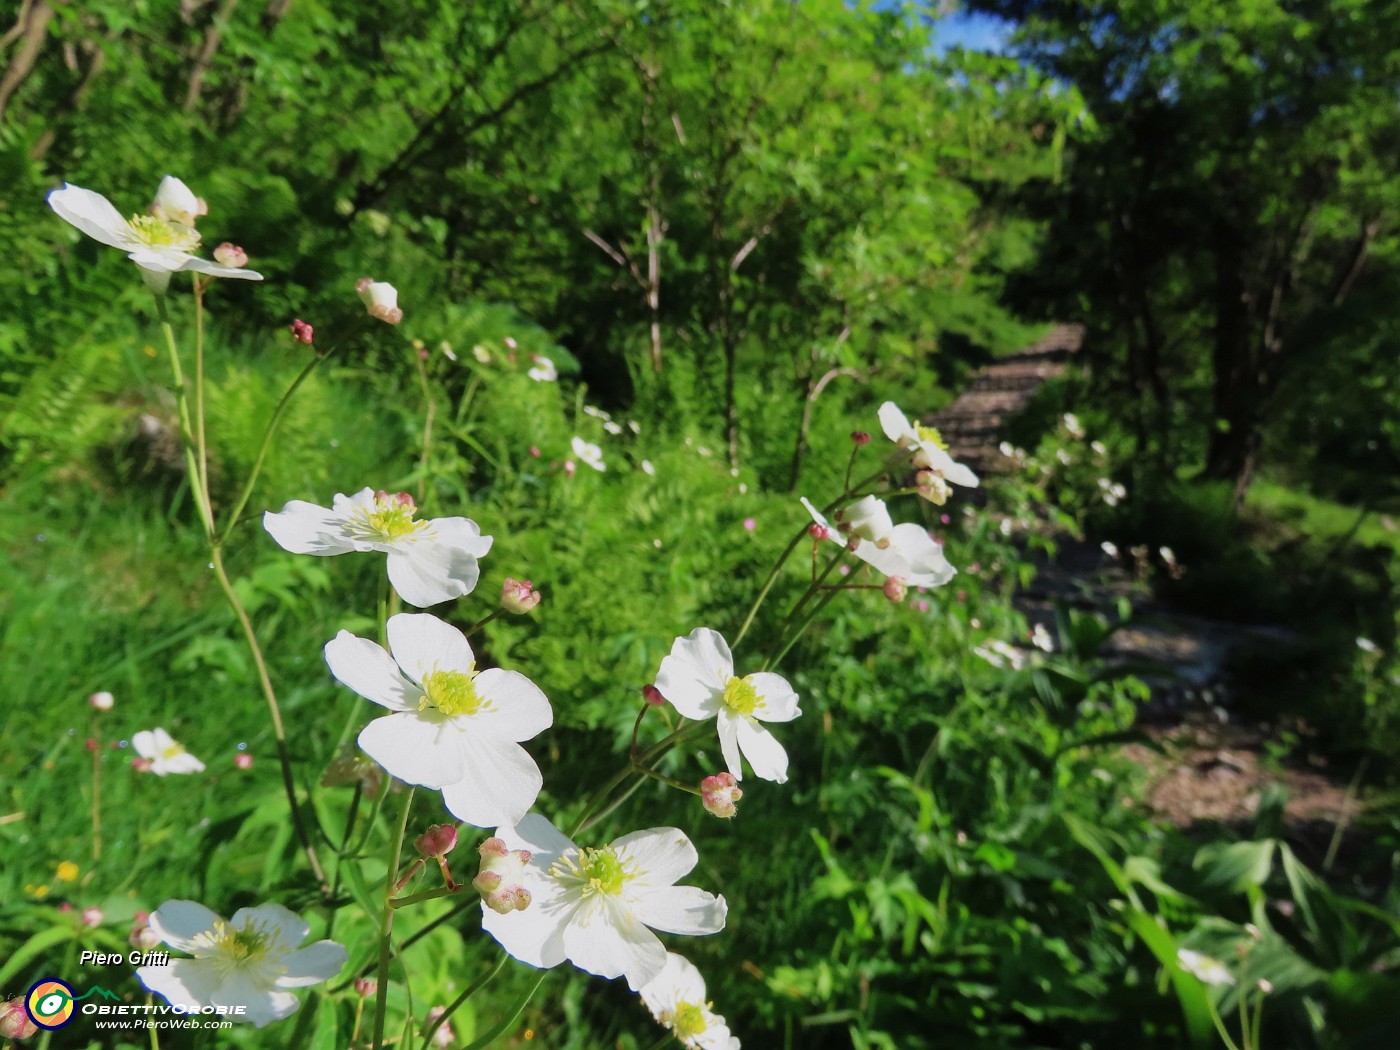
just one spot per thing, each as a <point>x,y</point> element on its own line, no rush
<point>741,697</point>
<point>689,1020</point>
<point>594,870</point>
<point>932,435</point>
<point>233,949</point>
<point>173,750</point>
<point>160,233</point>
<point>451,692</point>
<point>390,518</point>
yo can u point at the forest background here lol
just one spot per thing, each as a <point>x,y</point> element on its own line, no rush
<point>734,229</point>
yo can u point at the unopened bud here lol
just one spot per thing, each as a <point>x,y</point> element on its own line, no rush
<point>101,701</point>
<point>501,880</point>
<point>443,1036</point>
<point>303,332</point>
<point>228,254</point>
<point>652,695</point>
<point>895,589</point>
<point>518,596</point>
<point>92,916</point>
<point>381,299</point>
<point>720,794</point>
<point>1265,985</point>
<point>395,499</point>
<point>92,744</point>
<point>15,1022</point>
<point>860,437</point>
<point>243,760</point>
<point>818,532</point>
<point>932,487</point>
<point>437,841</point>
<point>141,765</point>
<point>366,987</point>
<point>141,935</point>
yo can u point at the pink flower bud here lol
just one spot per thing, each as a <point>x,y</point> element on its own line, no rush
<point>860,437</point>
<point>750,524</point>
<point>818,532</point>
<point>895,589</point>
<point>243,760</point>
<point>720,793</point>
<point>228,254</point>
<point>439,840</point>
<point>511,344</point>
<point>303,332</point>
<point>501,879</point>
<point>141,765</point>
<point>92,916</point>
<point>101,701</point>
<point>652,695</point>
<point>381,299</point>
<point>366,987</point>
<point>569,468</point>
<point>534,451</point>
<point>92,744</point>
<point>444,1036</point>
<point>142,936</point>
<point>15,1022</point>
<point>518,596</point>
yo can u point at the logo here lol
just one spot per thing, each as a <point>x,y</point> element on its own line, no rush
<point>50,1003</point>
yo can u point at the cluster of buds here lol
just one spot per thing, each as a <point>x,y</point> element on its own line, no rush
<point>381,299</point>
<point>721,794</point>
<point>518,596</point>
<point>366,987</point>
<point>229,254</point>
<point>303,332</point>
<point>501,879</point>
<point>895,589</point>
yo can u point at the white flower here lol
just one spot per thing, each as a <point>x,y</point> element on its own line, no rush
<point>453,728</point>
<point>999,654</point>
<point>159,245</point>
<point>594,906</point>
<point>544,370</point>
<point>380,299</point>
<point>613,428</point>
<point>176,202</point>
<point>831,533</point>
<point>676,998</point>
<point>698,678</point>
<point>1041,639</point>
<point>1367,646</point>
<point>164,754</point>
<point>926,446</point>
<point>1203,967</point>
<point>648,469</point>
<point>906,551</point>
<point>588,452</point>
<point>250,961</point>
<point>1072,425</point>
<point>868,519</point>
<point>429,561</point>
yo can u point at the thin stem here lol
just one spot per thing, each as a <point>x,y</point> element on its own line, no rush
<point>451,1008</point>
<point>201,497</point>
<point>680,785</point>
<point>636,725</point>
<point>200,445</point>
<point>274,711</point>
<point>386,924</point>
<point>96,795</point>
<point>801,630</point>
<point>768,586</point>
<point>429,412</point>
<point>1219,1024</point>
<point>511,1016</point>
<point>850,465</point>
<point>483,622</point>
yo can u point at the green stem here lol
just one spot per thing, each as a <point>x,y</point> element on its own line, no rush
<point>201,446</point>
<point>471,989</point>
<point>680,785</point>
<point>96,796</point>
<point>1219,1024</point>
<point>429,411</point>
<point>801,630</point>
<point>483,622</point>
<point>768,585</point>
<point>187,439</point>
<point>386,924</point>
<point>511,1016</point>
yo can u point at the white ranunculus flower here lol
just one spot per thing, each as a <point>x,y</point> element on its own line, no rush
<point>676,998</point>
<point>597,907</point>
<point>159,244</point>
<point>868,519</point>
<point>542,370</point>
<point>698,679</point>
<point>1203,967</point>
<point>453,728</point>
<point>905,551</point>
<point>925,446</point>
<point>588,452</point>
<point>164,754</point>
<point>250,961</point>
<point>430,561</point>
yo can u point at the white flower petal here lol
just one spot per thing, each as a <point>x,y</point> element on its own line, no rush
<point>660,856</point>
<point>145,743</point>
<point>728,726</point>
<point>184,762</point>
<point>367,669</point>
<point>178,922</point>
<point>304,528</point>
<point>518,708</point>
<point>678,982</point>
<point>213,269</point>
<point>415,748</point>
<point>693,677</point>
<point>181,982</point>
<point>500,784</point>
<point>421,644</point>
<point>313,964</point>
<point>765,754</point>
<point>261,1006</point>
<point>534,936</point>
<point>777,701</point>
<point>613,942</point>
<point>896,424</point>
<point>95,215</point>
<point>958,474</point>
<point>426,573</point>
<point>685,910</point>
